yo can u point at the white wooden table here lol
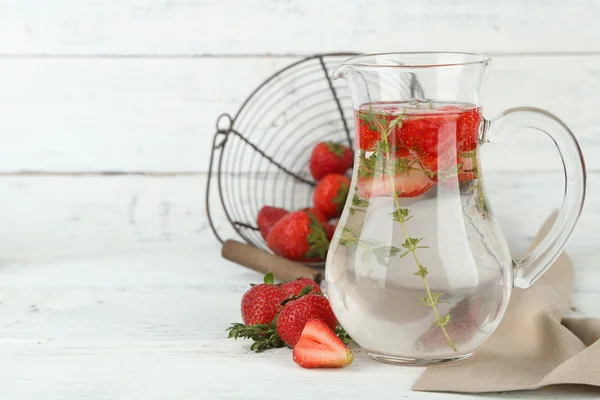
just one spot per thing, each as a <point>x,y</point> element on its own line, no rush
<point>152,326</point>
<point>111,284</point>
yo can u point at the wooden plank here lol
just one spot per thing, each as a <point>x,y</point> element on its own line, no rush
<point>152,326</point>
<point>197,27</point>
<point>80,216</point>
<point>159,115</point>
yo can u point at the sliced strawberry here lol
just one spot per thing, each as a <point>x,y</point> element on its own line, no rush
<point>319,347</point>
<point>369,132</point>
<point>402,152</point>
<point>441,162</point>
<point>367,136</point>
<point>429,134</point>
<point>412,183</point>
<point>467,130</point>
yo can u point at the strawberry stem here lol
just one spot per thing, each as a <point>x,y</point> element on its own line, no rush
<point>335,148</point>
<point>269,278</point>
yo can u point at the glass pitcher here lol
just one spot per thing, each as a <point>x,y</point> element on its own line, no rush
<point>419,271</point>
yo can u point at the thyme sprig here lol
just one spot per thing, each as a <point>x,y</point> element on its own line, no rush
<point>477,187</point>
<point>383,153</point>
<point>371,248</point>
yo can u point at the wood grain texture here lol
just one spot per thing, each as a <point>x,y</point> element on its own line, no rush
<point>159,115</point>
<point>80,216</point>
<point>151,326</point>
<point>200,27</point>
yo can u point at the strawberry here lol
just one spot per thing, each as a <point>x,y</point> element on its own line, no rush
<point>328,158</point>
<point>267,217</point>
<point>330,194</point>
<point>261,303</point>
<point>467,130</point>
<point>402,152</point>
<point>295,313</point>
<point>298,236</point>
<point>319,347</point>
<point>330,230</point>
<point>294,287</point>
<point>369,132</point>
<point>411,183</point>
<point>318,214</point>
<point>431,138</point>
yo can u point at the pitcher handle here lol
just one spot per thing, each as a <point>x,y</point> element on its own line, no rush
<point>534,264</point>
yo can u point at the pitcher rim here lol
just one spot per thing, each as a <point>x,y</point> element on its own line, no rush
<point>470,59</point>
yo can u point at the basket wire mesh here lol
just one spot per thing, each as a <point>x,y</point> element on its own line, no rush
<point>260,155</point>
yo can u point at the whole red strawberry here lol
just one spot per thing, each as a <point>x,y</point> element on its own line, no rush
<point>267,217</point>
<point>328,158</point>
<point>330,230</point>
<point>295,313</point>
<point>330,194</point>
<point>261,303</point>
<point>298,236</point>
<point>295,287</point>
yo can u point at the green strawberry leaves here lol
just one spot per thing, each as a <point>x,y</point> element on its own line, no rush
<point>317,239</point>
<point>342,194</point>
<point>335,148</point>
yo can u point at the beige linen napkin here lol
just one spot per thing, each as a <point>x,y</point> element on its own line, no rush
<point>533,346</point>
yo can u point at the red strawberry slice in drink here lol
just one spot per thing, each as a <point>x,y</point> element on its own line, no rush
<point>467,127</point>
<point>431,138</point>
<point>402,152</point>
<point>467,130</point>
<point>371,123</point>
<point>411,183</point>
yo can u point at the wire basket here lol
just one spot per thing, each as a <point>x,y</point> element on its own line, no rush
<point>260,156</point>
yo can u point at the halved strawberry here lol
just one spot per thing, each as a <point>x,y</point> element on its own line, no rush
<point>411,183</point>
<point>467,130</point>
<point>319,347</point>
<point>367,136</point>
<point>431,138</point>
<point>402,152</point>
<point>439,163</point>
<point>369,133</point>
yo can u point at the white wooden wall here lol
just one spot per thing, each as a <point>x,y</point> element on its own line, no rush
<point>107,108</point>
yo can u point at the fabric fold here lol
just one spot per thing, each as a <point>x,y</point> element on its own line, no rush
<point>533,347</point>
